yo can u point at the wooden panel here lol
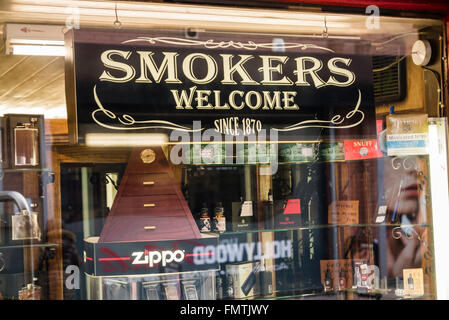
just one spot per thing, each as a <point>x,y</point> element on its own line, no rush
<point>166,205</point>
<point>56,131</point>
<point>264,184</point>
<point>56,126</point>
<point>166,228</point>
<point>160,164</point>
<point>31,185</point>
<point>85,154</point>
<point>53,229</point>
<point>149,184</point>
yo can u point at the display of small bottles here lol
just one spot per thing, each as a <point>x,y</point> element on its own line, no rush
<point>357,278</point>
<point>219,218</point>
<point>205,225</point>
<point>229,286</point>
<point>342,279</point>
<point>266,279</point>
<point>410,282</point>
<point>328,280</point>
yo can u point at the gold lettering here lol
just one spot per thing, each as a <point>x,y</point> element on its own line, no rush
<point>301,71</point>
<point>187,67</point>
<point>168,64</point>
<point>229,69</point>
<point>249,102</point>
<point>183,99</point>
<point>267,70</point>
<point>232,99</point>
<point>289,97</point>
<point>331,64</point>
<point>203,96</point>
<point>109,63</point>
<point>217,101</point>
<point>270,103</point>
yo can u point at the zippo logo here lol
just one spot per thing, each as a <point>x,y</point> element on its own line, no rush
<point>153,257</point>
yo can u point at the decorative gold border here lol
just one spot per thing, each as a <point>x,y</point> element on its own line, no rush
<point>211,44</point>
<point>126,121</point>
<point>334,123</point>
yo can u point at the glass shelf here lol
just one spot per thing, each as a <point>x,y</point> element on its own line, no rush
<point>339,295</point>
<point>317,227</point>
<point>37,245</point>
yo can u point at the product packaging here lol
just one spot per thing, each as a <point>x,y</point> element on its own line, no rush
<point>244,278</point>
<point>25,226</point>
<point>205,223</point>
<point>116,289</point>
<point>332,151</point>
<point>266,279</point>
<point>297,152</point>
<point>413,282</point>
<point>219,219</point>
<point>407,134</point>
<point>242,215</point>
<point>287,213</point>
<point>171,290</point>
<point>151,290</point>
<point>30,292</point>
<point>190,290</point>
<point>26,142</point>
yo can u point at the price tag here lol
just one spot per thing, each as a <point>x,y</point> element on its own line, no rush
<point>247,209</point>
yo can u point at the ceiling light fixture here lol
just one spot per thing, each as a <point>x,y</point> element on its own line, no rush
<point>36,40</point>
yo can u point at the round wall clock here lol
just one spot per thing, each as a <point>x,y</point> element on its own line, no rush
<point>421,52</point>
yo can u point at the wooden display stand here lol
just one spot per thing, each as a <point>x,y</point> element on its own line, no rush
<point>149,205</point>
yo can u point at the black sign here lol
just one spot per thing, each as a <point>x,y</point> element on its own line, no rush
<point>155,257</point>
<point>237,85</point>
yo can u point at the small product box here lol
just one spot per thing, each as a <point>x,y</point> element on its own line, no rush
<point>287,213</point>
<point>245,279</point>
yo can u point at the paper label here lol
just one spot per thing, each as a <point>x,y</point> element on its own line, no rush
<point>362,149</point>
<point>413,282</point>
<point>343,212</point>
<point>381,214</point>
<point>293,207</point>
<point>247,209</point>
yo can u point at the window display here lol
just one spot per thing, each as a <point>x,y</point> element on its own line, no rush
<point>228,163</point>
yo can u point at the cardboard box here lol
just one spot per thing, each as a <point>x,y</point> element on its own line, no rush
<point>413,282</point>
<point>240,273</point>
<point>287,213</point>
